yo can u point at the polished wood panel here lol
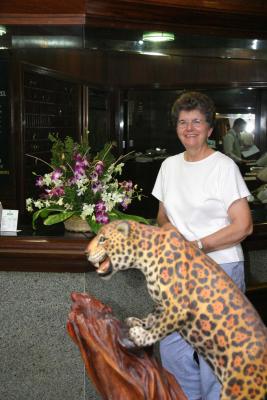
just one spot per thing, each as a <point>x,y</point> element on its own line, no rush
<point>109,70</point>
<point>88,66</point>
<point>42,7</point>
<point>42,19</point>
<point>166,72</point>
<point>43,254</point>
<point>232,17</point>
<point>47,12</point>
<point>104,7</point>
<point>213,17</point>
<point>239,6</point>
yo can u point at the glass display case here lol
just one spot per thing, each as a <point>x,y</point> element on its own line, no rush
<point>51,105</point>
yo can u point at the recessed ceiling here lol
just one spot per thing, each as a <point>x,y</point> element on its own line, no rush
<point>130,41</point>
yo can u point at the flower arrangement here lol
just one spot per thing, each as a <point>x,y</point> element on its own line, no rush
<point>81,185</point>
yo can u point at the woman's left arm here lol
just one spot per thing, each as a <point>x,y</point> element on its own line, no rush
<point>240,227</point>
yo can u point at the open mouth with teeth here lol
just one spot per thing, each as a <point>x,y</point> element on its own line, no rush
<point>104,266</point>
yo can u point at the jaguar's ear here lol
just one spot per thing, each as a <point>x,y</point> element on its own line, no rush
<point>124,228</point>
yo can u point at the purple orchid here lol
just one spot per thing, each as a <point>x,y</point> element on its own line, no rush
<point>125,202</point>
<point>126,185</point>
<point>56,174</point>
<point>55,192</point>
<point>100,206</point>
<point>79,171</point>
<point>39,181</point>
<point>99,168</point>
<point>80,161</point>
<point>102,218</point>
<point>94,176</point>
<point>96,187</point>
<point>100,213</point>
<point>71,181</point>
<point>80,165</point>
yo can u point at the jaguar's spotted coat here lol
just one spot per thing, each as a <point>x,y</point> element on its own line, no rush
<point>194,296</point>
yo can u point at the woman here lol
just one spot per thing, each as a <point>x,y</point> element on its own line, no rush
<point>202,193</point>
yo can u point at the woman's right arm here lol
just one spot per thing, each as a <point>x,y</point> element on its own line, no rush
<point>162,218</point>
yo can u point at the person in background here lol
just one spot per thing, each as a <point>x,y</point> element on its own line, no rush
<point>232,143</point>
<point>247,140</point>
<point>203,195</point>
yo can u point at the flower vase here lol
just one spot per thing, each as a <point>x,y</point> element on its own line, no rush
<point>76,224</point>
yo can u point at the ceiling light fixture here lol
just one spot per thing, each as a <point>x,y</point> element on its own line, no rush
<point>255,43</point>
<point>158,36</point>
<point>2,30</point>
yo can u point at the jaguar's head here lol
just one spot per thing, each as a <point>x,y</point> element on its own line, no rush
<point>110,250</point>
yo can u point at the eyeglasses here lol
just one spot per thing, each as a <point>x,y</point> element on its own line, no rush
<point>196,123</point>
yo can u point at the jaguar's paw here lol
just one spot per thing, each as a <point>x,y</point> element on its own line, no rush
<point>149,322</point>
<point>132,321</point>
<point>138,335</point>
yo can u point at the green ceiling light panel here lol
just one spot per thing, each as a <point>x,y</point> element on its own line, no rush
<point>158,36</point>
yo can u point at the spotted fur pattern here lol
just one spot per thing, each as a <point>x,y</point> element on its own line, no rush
<point>194,296</point>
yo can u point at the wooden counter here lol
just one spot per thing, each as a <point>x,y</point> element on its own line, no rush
<point>59,251</point>
<point>45,251</point>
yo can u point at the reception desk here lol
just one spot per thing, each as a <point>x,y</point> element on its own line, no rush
<point>55,250</point>
<point>38,271</point>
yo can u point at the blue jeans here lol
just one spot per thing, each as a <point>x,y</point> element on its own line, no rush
<point>197,381</point>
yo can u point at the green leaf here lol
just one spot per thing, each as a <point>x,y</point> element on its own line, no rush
<point>115,214</point>
<point>93,224</point>
<point>60,217</point>
<point>105,155</point>
<point>43,213</point>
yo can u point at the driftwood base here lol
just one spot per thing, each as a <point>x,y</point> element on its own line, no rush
<point>116,367</point>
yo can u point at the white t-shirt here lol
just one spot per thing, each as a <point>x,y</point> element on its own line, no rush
<point>197,195</point>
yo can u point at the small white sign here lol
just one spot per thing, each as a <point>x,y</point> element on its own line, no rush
<point>9,220</point>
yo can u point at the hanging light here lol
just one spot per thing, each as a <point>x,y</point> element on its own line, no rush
<point>158,36</point>
<point>2,30</point>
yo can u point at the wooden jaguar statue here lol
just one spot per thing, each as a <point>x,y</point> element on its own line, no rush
<point>194,296</point>
<point>118,369</point>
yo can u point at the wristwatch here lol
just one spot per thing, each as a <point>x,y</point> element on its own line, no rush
<point>199,244</point>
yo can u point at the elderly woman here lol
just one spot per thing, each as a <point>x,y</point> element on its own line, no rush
<point>202,193</point>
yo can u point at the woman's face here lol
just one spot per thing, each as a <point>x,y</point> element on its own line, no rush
<point>193,130</point>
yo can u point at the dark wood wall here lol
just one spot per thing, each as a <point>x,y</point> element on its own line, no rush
<point>138,70</point>
<point>229,17</point>
<point>129,70</point>
<point>46,12</point>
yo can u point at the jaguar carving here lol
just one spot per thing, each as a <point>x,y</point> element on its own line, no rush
<point>192,295</point>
